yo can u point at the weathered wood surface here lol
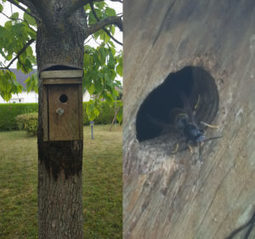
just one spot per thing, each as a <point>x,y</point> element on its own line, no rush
<point>175,196</point>
<point>62,81</point>
<point>61,74</point>
<point>66,126</point>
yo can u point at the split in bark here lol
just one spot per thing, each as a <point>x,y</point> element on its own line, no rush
<point>249,226</point>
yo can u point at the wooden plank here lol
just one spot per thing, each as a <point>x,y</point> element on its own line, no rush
<point>80,111</point>
<point>62,74</point>
<point>45,114</point>
<point>62,81</point>
<point>66,126</point>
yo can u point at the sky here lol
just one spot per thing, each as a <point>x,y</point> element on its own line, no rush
<point>9,9</point>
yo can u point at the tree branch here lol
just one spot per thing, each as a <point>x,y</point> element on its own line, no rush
<point>42,8</point>
<point>3,67</point>
<point>13,19</point>
<point>18,55</point>
<point>76,4</point>
<point>98,20</point>
<point>101,24</point>
<point>117,1</point>
<point>10,18</point>
<point>24,9</point>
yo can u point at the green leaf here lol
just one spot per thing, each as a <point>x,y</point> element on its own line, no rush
<point>32,83</point>
<point>30,20</point>
<point>110,11</point>
<point>92,110</point>
<point>91,18</point>
<point>100,5</point>
<point>8,84</point>
<point>119,67</point>
<point>15,16</point>
<point>1,8</point>
<point>9,57</point>
<point>112,29</point>
<point>104,36</point>
<point>8,24</point>
<point>120,112</point>
<point>98,85</point>
<point>91,89</point>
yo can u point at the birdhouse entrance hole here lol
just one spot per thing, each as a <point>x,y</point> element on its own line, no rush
<point>63,98</point>
<point>194,82</point>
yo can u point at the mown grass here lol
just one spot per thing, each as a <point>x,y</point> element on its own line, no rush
<point>102,184</point>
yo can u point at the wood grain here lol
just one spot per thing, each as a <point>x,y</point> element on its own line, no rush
<point>177,196</point>
<point>66,126</point>
<point>61,74</point>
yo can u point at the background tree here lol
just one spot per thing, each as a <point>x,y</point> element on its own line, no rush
<point>59,29</point>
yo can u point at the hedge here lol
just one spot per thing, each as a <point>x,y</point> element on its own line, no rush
<point>9,112</point>
<point>28,122</point>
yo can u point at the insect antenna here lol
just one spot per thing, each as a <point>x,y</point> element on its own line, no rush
<point>212,138</point>
<point>205,140</point>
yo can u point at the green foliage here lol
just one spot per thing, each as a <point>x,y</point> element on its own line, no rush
<point>100,73</point>
<point>8,84</point>
<point>28,122</point>
<point>32,83</point>
<point>104,116</point>
<point>101,66</point>
<point>119,108</point>
<point>91,111</point>
<point>102,11</point>
<point>30,20</point>
<point>9,112</point>
<point>14,35</point>
<point>119,67</point>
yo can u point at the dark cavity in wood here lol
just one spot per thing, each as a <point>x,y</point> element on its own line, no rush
<point>196,83</point>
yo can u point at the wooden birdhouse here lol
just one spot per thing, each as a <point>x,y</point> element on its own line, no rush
<point>62,105</point>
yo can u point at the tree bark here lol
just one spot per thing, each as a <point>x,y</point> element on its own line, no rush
<point>59,46</point>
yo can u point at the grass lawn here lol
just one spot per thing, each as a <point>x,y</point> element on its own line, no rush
<point>102,184</point>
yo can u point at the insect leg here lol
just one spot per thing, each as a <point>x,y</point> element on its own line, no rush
<point>200,151</point>
<point>197,103</point>
<point>175,149</point>
<point>209,125</point>
<point>212,138</point>
<point>190,148</point>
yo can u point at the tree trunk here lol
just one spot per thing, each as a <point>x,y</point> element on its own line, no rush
<point>59,46</point>
<point>180,195</point>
